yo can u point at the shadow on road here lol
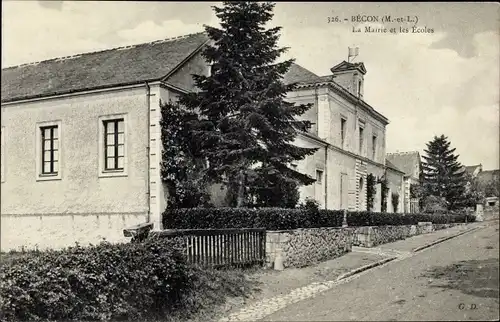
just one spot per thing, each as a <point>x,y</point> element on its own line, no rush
<point>474,277</point>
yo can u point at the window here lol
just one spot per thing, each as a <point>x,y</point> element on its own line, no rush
<point>48,151</point>
<point>374,146</point>
<point>361,137</point>
<point>319,177</point>
<point>343,122</point>
<point>114,142</point>
<point>360,93</point>
<point>112,146</point>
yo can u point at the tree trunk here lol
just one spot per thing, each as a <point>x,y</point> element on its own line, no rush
<point>241,190</point>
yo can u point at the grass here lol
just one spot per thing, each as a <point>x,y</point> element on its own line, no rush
<point>213,293</point>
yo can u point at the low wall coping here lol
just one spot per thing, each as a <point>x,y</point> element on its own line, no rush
<point>302,229</point>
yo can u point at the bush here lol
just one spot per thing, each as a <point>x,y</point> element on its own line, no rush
<point>269,218</point>
<point>120,281</point>
<point>435,204</point>
<point>309,204</point>
<point>365,218</point>
<point>286,219</point>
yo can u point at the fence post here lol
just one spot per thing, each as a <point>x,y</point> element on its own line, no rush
<point>344,221</point>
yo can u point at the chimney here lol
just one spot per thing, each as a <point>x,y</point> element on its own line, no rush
<point>350,76</point>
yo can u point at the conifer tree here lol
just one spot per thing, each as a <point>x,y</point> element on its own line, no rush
<point>443,174</point>
<point>247,128</point>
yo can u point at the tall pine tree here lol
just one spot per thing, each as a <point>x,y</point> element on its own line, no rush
<point>247,128</point>
<point>443,174</point>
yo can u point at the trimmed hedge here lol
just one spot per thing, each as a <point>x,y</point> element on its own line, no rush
<point>269,218</point>
<point>287,219</point>
<point>103,282</point>
<point>364,218</point>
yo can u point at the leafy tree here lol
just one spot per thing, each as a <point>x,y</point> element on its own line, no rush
<point>473,192</point>
<point>434,204</point>
<point>181,165</point>
<point>310,204</point>
<point>443,174</point>
<point>491,188</point>
<point>246,128</point>
<point>395,201</point>
<point>370,191</point>
<point>384,185</point>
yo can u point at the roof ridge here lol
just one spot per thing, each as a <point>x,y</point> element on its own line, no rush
<point>401,153</point>
<point>104,50</point>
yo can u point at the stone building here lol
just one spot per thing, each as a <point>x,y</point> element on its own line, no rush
<point>410,164</point>
<point>81,141</point>
<point>349,133</point>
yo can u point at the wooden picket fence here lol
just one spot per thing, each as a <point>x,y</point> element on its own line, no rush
<point>223,247</point>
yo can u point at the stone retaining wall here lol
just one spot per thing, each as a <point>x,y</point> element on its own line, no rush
<point>445,226</point>
<point>303,247</point>
<point>371,236</point>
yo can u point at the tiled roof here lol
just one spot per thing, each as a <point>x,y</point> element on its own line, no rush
<point>472,168</point>
<point>405,161</point>
<point>112,67</point>
<point>298,74</point>
<point>390,165</point>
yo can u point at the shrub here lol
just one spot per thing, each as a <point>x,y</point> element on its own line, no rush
<point>365,218</point>
<point>286,219</point>
<point>269,218</point>
<point>435,204</point>
<point>371,182</point>
<point>395,201</point>
<point>103,282</point>
<point>310,204</point>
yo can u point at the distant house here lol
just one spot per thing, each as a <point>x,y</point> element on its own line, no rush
<point>484,179</point>
<point>81,143</point>
<point>410,164</point>
<point>473,170</point>
<point>490,177</point>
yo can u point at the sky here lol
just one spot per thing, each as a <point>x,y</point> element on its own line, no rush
<point>430,83</point>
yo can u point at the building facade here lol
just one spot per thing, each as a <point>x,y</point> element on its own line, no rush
<point>350,135</point>
<point>81,141</point>
<point>410,164</point>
